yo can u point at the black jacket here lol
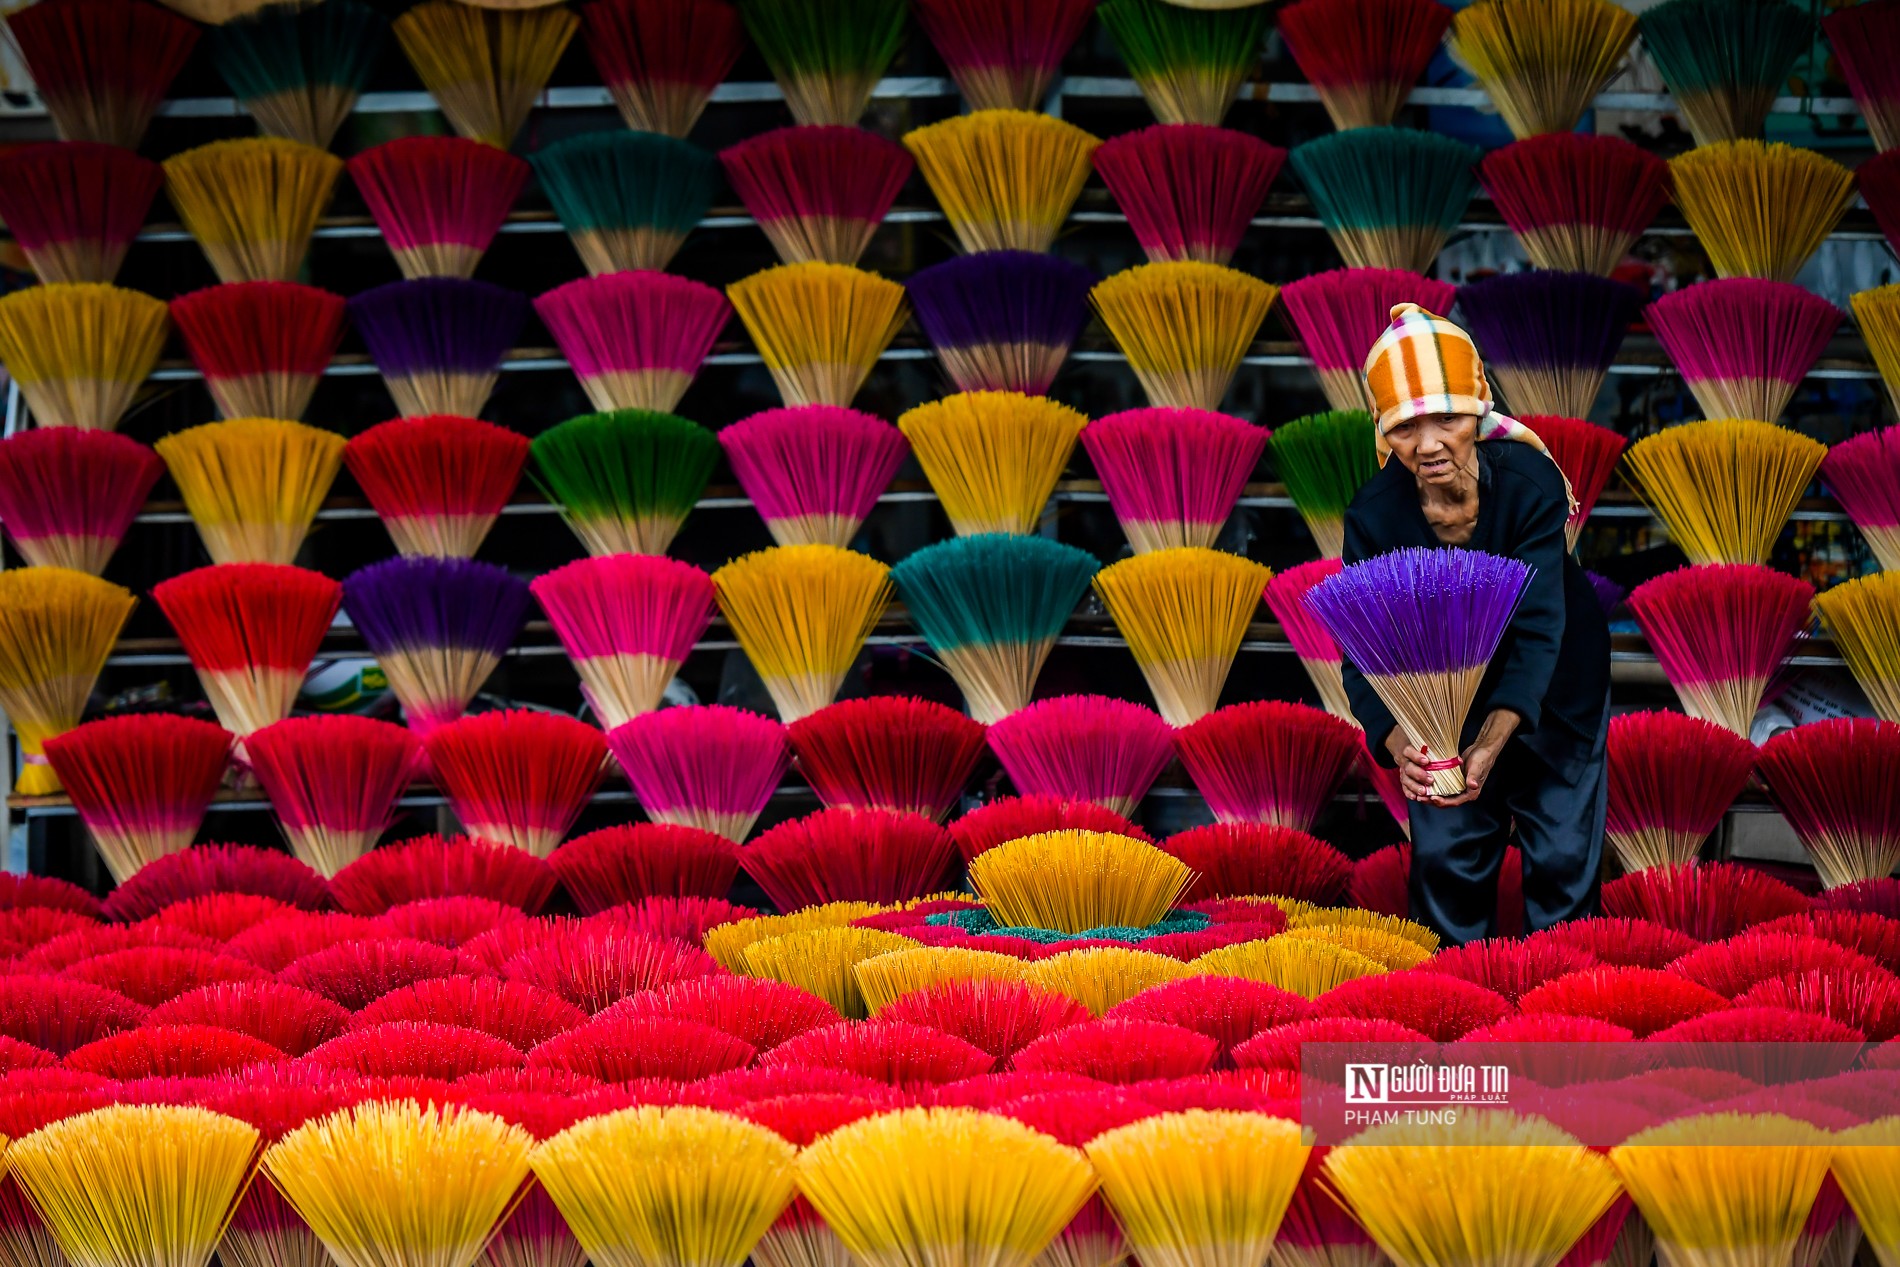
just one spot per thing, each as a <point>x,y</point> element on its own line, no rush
<point>1553,667</point>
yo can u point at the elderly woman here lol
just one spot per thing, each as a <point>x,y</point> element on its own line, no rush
<point>1469,478</point>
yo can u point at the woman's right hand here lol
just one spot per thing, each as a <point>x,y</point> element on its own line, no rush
<point>1414,778</point>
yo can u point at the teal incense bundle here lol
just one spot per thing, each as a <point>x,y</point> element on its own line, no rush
<point>1389,197</point>
<point>298,69</point>
<point>627,199</point>
<point>1725,61</point>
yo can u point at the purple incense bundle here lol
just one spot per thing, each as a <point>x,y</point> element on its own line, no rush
<point>1421,625</point>
<point>814,471</point>
<point>1189,191</point>
<point>1548,338</point>
<point>438,627</point>
<point>1743,345</point>
<point>1338,316</point>
<point>438,341</point>
<point>1002,321</point>
<point>818,193</point>
<point>1173,475</point>
<point>635,340</point>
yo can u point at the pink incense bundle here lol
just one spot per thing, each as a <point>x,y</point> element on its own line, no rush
<point>1671,779</point>
<point>1577,202</point>
<point>437,481</point>
<point>1861,36</point>
<point>251,630</point>
<point>1709,901</point>
<point>1268,761</point>
<point>628,621</point>
<point>1863,473</point>
<point>634,340</point>
<point>1363,56</point>
<point>1189,190</point>
<point>661,59</point>
<point>893,1052</point>
<point>1319,654</point>
<point>1084,748</point>
<point>754,1010</point>
<point>1337,316</point>
<point>818,193</point>
<point>621,865</point>
<point>1173,475</point>
<point>436,867</point>
<point>849,855</point>
<point>1012,817</point>
<point>1003,53</point>
<point>1741,344</point>
<point>814,471</point>
<point>517,777</point>
<point>262,346</point>
<point>1247,859</point>
<point>438,200</point>
<point>333,781</point>
<point>67,494</point>
<point>140,783</point>
<point>74,207</point>
<point>594,966</point>
<point>1587,455</point>
<point>1721,631</point>
<point>890,752</point>
<point>1835,783</point>
<point>709,766</point>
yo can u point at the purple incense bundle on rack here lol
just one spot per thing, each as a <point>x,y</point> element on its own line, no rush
<point>1002,321</point>
<point>1421,625</point>
<point>438,341</point>
<point>1548,338</point>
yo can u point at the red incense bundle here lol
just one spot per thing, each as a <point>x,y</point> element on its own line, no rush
<point>438,200</point>
<point>262,346</point>
<point>1587,455</point>
<point>75,207</point>
<point>1708,901</point>
<point>1012,817</point>
<point>1245,859</point>
<point>207,869</point>
<point>999,1017</point>
<point>889,752</point>
<point>1268,761</point>
<point>755,1010</point>
<point>818,193</point>
<point>1120,1051</point>
<point>140,783</point>
<point>356,973</point>
<point>1859,35</point>
<point>628,621</point>
<point>661,59</point>
<point>893,1052</point>
<point>1363,56</point>
<point>1084,748</point>
<point>438,481</point>
<point>333,782</point>
<point>517,777</point>
<point>432,866</point>
<point>1834,781</point>
<point>594,967</point>
<point>849,855</point>
<point>1003,53</point>
<point>102,66</point>
<point>1189,191</point>
<point>292,1020</point>
<point>619,865</point>
<point>1721,632</point>
<point>1173,475</point>
<point>1671,779</point>
<point>1576,202</point>
<point>68,494</point>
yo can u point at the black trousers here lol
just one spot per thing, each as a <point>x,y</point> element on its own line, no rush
<point>1456,852</point>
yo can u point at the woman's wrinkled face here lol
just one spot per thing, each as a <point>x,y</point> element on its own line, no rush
<point>1435,447</point>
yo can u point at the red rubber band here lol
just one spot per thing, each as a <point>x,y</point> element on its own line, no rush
<point>1434,766</point>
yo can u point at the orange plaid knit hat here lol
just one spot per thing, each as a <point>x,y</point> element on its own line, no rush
<point>1424,364</point>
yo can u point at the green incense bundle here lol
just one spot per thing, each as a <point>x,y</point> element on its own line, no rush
<point>627,479</point>
<point>627,199</point>
<point>1188,63</point>
<point>827,55</point>
<point>1389,197</point>
<point>298,69</point>
<point>991,607</point>
<point>1725,61</point>
<point>1324,459</point>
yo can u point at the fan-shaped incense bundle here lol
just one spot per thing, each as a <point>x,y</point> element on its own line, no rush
<point>1671,779</point>
<point>1001,320</point>
<point>819,956</point>
<point>1100,977</point>
<point>1725,63</point>
<point>1083,748</point>
<point>819,194</point>
<point>634,340</point>
<point>1183,613</point>
<point>1834,783</point>
<point>1721,632</point>
<point>1184,327</point>
<point>437,483</point>
<point>333,782</point>
<point>1542,63</point>
<point>252,485</point>
<point>1008,818</point>
<point>801,614</point>
<point>438,200</point>
<point>1760,210</point>
<point>711,766</point>
<point>1188,63</point>
<point>1003,53</point>
<point>484,67</point>
<point>991,607</point>
<point>1319,654</point>
<point>1724,488</point>
<point>627,199</point>
<point>438,342</point>
<point>661,59</point>
<point>1172,475</point>
<point>814,471</point>
<point>1389,197</point>
<point>889,979</point>
<point>140,783</point>
<point>819,327</point>
<point>1586,454</point>
<point>516,776</point>
<point>1073,881</point>
<point>261,346</point>
<point>101,66</point>
<point>1863,1167</point>
<point>67,495</point>
<point>1421,626</point>
<point>1863,473</point>
<point>1324,459</point>
<point>827,55</point>
<point>888,752</point>
<point>298,71</point>
<point>1005,178</point>
<point>992,457</point>
<point>1363,56</point>
<point>75,207</point>
<point>1743,346</point>
<point>1878,180</point>
<point>1857,35</point>
<point>1863,616</point>
<point>1189,191</point>
<point>79,352</point>
<point>56,629</point>
<point>252,204</point>
<point>628,621</point>
<point>626,479</point>
<point>1549,338</point>
<point>1338,315</point>
<point>848,854</point>
<point>1577,202</point>
<point>1269,762</point>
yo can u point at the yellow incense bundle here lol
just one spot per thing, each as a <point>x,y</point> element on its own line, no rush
<point>1099,977</point>
<point>992,457</point>
<point>1760,210</point>
<point>1005,178</point>
<point>822,960</point>
<point>1876,312</point>
<point>801,615</point>
<point>889,977</point>
<point>252,204</point>
<point>80,350</point>
<point>1306,968</point>
<point>1867,1166</point>
<point>726,943</point>
<point>1304,915</point>
<point>819,327</point>
<point>1542,61</point>
<point>1864,617</point>
<point>56,630</point>
<point>1184,326</point>
<point>253,485</point>
<point>1724,487</point>
<point>1184,613</point>
<point>483,67</point>
<point>1072,881</point>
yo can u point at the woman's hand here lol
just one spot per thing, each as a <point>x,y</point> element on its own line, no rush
<point>1414,779</point>
<point>1482,756</point>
